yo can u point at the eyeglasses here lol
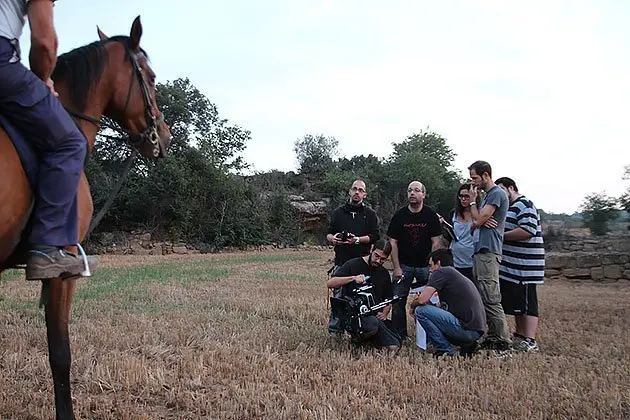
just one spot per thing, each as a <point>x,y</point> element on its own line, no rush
<point>416,190</point>
<point>361,190</point>
<point>464,196</point>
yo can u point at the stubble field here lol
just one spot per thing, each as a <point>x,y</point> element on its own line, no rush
<point>243,336</point>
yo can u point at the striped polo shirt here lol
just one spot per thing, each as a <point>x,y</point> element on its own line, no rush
<point>523,261</point>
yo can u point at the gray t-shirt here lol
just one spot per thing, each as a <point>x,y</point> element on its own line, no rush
<point>12,18</point>
<point>462,297</point>
<point>488,239</point>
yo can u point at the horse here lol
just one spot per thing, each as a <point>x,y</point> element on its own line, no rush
<point>110,77</point>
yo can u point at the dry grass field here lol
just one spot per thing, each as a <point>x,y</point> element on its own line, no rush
<point>242,336</point>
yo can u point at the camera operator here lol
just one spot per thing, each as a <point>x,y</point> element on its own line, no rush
<point>369,269</point>
<point>463,321</point>
<point>353,227</point>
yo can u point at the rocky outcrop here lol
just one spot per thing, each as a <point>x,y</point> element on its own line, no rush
<point>312,215</point>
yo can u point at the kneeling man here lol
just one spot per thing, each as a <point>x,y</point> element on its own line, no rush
<point>358,272</point>
<point>462,318</point>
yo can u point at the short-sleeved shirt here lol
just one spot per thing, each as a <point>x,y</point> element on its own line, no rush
<point>523,261</point>
<point>414,231</point>
<point>491,239</point>
<point>12,18</point>
<point>379,278</point>
<point>461,296</point>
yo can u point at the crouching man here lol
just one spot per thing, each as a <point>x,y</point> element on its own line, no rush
<point>461,319</point>
<point>369,270</point>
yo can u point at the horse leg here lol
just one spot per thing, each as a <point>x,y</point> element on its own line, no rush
<point>59,297</point>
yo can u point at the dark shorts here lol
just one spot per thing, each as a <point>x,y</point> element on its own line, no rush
<point>519,299</point>
<point>384,337</point>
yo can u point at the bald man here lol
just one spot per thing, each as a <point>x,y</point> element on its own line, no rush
<point>414,233</point>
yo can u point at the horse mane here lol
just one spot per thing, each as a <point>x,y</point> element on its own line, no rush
<point>83,67</point>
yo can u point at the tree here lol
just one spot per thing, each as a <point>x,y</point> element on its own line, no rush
<point>315,154</point>
<point>194,122</point>
<point>425,157</point>
<point>624,200</point>
<point>597,210</point>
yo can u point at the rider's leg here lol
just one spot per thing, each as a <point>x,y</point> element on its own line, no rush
<point>31,107</point>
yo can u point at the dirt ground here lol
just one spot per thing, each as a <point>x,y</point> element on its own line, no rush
<point>242,336</point>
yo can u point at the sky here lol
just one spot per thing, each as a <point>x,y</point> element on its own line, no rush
<point>541,90</point>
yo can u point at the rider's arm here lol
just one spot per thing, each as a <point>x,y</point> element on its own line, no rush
<point>43,55</point>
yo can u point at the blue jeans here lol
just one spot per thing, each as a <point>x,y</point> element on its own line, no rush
<point>31,108</point>
<point>442,328</point>
<point>401,288</point>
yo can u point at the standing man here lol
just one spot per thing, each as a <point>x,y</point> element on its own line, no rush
<point>29,101</point>
<point>414,232</point>
<point>353,228</point>
<point>488,226</point>
<point>522,266</point>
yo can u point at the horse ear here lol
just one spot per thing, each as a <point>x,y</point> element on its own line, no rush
<point>136,34</point>
<point>101,34</point>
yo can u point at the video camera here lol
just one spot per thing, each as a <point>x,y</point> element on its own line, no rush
<point>357,304</point>
<point>345,235</point>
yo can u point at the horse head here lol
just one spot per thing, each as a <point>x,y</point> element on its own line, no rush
<point>132,102</point>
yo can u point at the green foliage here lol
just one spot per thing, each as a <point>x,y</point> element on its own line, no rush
<point>427,158</point>
<point>597,210</point>
<point>624,200</point>
<point>315,155</point>
<point>197,195</point>
<point>194,122</point>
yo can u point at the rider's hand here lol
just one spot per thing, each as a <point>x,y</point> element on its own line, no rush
<point>51,86</point>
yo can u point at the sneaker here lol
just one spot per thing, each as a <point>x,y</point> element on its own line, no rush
<point>56,263</point>
<point>525,346</point>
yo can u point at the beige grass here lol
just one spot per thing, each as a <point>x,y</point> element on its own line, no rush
<point>241,336</point>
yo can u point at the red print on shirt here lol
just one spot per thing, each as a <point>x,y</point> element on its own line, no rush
<point>414,232</point>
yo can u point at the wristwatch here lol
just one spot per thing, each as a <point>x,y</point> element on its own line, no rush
<point>472,203</point>
<point>357,240</point>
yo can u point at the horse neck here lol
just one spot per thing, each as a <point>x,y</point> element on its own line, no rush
<point>96,102</point>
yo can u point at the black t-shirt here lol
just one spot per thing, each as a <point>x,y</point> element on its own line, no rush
<point>461,295</point>
<point>378,277</point>
<point>360,221</point>
<point>414,231</point>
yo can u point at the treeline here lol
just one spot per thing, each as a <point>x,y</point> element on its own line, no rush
<point>199,194</point>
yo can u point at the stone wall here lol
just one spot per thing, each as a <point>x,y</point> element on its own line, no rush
<point>588,243</point>
<point>588,257</point>
<point>605,265</point>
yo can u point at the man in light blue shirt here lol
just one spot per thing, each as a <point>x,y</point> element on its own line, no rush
<point>489,224</point>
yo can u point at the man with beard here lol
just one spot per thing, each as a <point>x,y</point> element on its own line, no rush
<point>488,226</point>
<point>358,272</point>
<point>414,232</point>
<point>353,228</point>
<point>460,318</point>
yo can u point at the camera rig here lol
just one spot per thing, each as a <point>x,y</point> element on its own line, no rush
<point>357,304</point>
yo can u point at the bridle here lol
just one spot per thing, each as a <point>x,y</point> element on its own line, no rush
<point>149,134</point>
